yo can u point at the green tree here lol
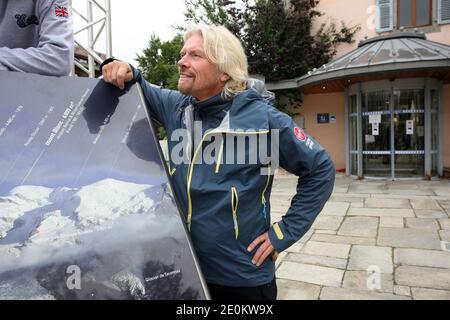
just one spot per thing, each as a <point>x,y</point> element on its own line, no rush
<point>276,34</point>
<point>230,13</point>
<point>158,61</point>
<point>208,11</point>
<point>158,64</point>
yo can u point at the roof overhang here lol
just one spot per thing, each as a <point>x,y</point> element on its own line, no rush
<point>403,56</point>
<point>434,69</point>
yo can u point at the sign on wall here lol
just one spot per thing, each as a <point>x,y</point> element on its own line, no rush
<point>86,208</point>
<point>323,118</point>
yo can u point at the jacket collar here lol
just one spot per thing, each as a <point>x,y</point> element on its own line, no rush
<point>212,106</point>
<point>246,111</point>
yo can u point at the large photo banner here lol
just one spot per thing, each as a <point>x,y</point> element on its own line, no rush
<point>86,208</point>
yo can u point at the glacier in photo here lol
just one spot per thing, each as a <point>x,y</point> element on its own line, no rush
<point>123,237</point>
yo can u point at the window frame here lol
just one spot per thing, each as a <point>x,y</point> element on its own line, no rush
<point>414,15</point>
<point>439,17</point>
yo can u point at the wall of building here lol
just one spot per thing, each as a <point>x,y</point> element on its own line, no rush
<point>445,124</point>
<point>363,13</point>
<point>330,135</point>
<point>442,36</point>
<point>352,12</point>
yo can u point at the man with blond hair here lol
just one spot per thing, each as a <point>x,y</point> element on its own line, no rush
<point>225,203</point>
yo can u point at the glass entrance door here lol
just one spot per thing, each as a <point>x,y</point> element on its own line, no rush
<point>393,123</point>
<point>376,136</point>
<point>409,133</point>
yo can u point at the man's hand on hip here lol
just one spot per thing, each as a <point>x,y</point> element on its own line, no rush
<point>117,73</point>
<point>264,250</point>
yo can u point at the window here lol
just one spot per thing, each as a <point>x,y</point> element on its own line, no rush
<point>414,13</point>
<point>385,18</point>
<point>443,11</point>
<point>411,13</point>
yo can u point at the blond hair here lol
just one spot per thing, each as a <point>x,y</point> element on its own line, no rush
<point>223,49</point>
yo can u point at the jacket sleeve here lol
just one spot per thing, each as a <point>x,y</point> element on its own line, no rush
<point>301,155</point>
<point>162,103</point>
<point>54,53</point>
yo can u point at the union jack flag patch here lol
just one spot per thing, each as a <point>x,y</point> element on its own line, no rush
<point>61,11</point>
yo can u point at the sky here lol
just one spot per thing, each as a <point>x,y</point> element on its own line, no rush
<point>133,23</point>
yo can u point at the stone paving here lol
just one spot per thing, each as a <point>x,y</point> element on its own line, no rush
<point>373,240</point>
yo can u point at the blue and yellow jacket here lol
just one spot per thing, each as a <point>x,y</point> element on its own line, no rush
<point>226,204</point>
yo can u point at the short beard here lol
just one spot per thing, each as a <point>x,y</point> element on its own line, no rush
<point>181,90</point>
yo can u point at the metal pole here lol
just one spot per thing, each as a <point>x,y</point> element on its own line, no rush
<point>440,129</point>
<point>347,133</point>
<point>72,71</point>
<point>103,20</point>
<point>392,136</point>
<point>90,30</point>
<point>108,29</point>
<point>427,101</point>
<point>360,132</point>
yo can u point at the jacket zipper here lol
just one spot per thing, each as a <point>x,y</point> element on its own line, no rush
<point>191,168</point>
<point>219,158</point>
<point>234,207</point>
<point>263,197</point>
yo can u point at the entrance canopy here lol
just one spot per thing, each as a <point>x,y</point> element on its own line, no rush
<point>401,55</point>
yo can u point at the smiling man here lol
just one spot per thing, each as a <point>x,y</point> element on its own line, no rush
<point>226,204</point>
<point>198,77</point>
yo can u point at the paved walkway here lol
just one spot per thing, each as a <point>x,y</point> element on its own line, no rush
<point>373,240</point>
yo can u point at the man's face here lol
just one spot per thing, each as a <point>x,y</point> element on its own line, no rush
<point>198,76</point>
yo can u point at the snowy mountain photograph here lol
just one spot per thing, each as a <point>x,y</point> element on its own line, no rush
<point>86,206</point>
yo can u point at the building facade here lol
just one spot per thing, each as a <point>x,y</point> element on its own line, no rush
<point>382,106</point>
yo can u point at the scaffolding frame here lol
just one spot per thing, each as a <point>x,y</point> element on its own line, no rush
<point>89,23</point>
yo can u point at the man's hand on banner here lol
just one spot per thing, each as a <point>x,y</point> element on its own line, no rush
<point>117,73</point>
